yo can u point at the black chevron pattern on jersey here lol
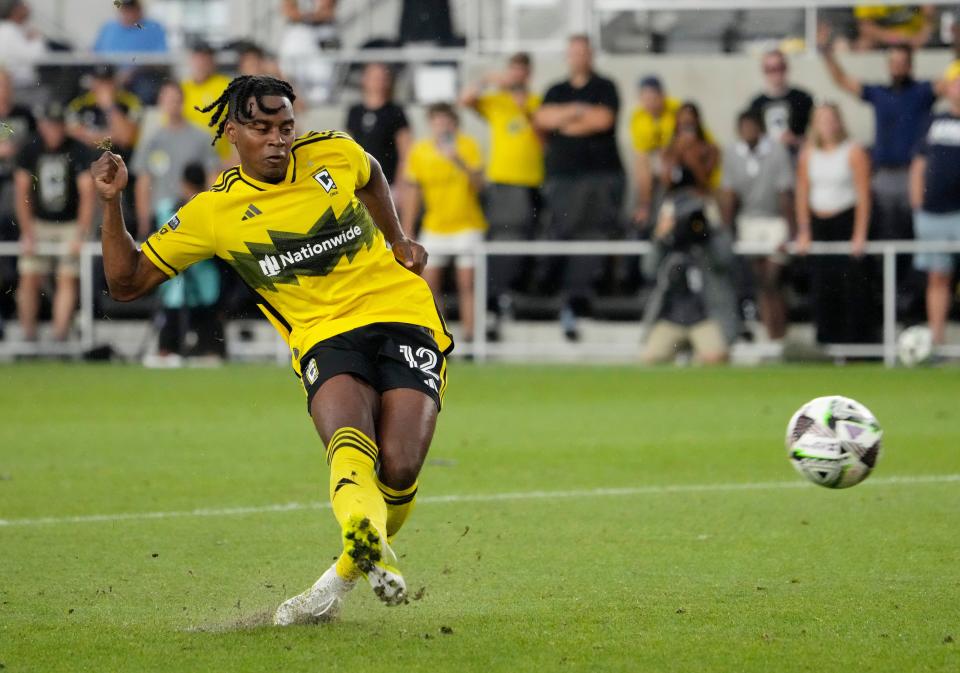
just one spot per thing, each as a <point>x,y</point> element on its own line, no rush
<point>290,256</point>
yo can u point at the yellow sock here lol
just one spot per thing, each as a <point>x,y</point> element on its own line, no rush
<point>399,506</point>
<point>353,485</point>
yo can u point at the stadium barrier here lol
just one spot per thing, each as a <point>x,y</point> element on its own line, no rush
<point>481,349</point>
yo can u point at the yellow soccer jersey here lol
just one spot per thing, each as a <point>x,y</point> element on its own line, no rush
<point>650,134</point>
<point>516,151</point>
<point>201,94</point>
<point>307,246</point>
<point>450,204</point>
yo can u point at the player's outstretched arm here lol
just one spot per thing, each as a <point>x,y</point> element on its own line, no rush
<point>129,273</point>
<point>375,195</point>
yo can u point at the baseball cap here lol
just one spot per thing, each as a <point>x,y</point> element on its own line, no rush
<point>651,82</point>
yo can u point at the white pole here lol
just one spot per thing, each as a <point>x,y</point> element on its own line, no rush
<point>480,305</point>
<point>87,340</point>
<point>889,305</point>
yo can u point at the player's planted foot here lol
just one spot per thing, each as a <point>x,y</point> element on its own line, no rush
<point>363,544</point>
<point>318,604</point>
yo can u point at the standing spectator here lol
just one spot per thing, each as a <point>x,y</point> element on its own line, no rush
<point>785,110</point>
<point>253,60</point>
<point>21,45</point>
<point>756,202</point>
<point>935,196</point>
<point>691,159</point>
<point>833,204</point>
<point>445,173</point>
<point>54,204</point>
<point>131,32</point>
<point>316,19</point>
<point>651,128</point>
<point>379,124</point>
<point>160,161</point>
<point>901,110</point>
<point>310,28</point>
<point>105,112</point>
<point>584,177</point>
<point>890,25</point>
<point>514,169</point>
<point>17,127</point>
<point>189,322</point>
<point>202,87</point>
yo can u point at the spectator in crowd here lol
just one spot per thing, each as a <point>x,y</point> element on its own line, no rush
<point>310,28</point>
<point>202,87</point>
<point>253,60</point>
<point>21,45</point>
<point>426,21</point>
<point>833,204</point>
<point>17,127</point>
<point>890,25</point>
<point>935,197</point>
<point>693,303</point>
<point>160,161</point>
<point>901,110</point>
<point>785,109</point>
<point>54,201</point>
<point>651,129</point>
<point>189,323</point>
<point>378,123</point>
<point>584,183</point>
<point>316,20</point>
<point>444,173</point>
<point>756,201</point>
<point>514,169</point>
<point>105,113</point>
<point>131,32</point>
<point>691,159</point>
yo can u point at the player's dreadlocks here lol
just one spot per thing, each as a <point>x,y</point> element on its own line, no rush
<point>232,102</point>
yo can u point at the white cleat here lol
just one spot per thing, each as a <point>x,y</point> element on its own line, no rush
<point>318,604</point>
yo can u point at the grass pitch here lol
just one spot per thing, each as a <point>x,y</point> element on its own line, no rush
<point>600,519</point>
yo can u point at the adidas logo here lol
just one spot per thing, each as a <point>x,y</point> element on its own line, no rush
<point>252,211</point>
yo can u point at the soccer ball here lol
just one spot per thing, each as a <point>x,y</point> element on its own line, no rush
<point>834,441</point>
<point>915,345</point>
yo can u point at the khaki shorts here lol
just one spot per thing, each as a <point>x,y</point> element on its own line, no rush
<point>51,232</point>
<point>772,231</point>
<point>666,339</point>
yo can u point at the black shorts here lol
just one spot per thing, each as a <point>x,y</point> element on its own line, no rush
<point>385,355</point>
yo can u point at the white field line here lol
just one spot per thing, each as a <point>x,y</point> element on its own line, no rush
<point>476,497</point>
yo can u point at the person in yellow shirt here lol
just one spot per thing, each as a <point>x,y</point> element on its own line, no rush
<point>651,129</point>
<point>309,224</point>
<point>203,87</point>
<point>444,175</point>
<point>514,170</point>
<point>889,25</point>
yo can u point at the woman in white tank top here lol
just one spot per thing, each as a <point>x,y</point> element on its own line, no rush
<point>833,204</point>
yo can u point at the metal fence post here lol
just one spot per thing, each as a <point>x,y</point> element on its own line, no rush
<point>889,305</point>
<point>480,304</point>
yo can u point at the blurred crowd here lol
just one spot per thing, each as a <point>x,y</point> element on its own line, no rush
<point>553,171</point>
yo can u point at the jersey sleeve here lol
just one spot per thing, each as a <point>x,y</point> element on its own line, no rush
<point>413,167</point>
<point>359,162</point>
<point>186,238</point>
<point>471,154</point>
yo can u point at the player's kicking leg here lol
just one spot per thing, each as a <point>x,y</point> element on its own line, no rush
<point>369,506</point>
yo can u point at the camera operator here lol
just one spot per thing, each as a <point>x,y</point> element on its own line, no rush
<point>693,304</point>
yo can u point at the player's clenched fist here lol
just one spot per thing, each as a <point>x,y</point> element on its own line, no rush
<point>411,254</point>
<point>109,175</point>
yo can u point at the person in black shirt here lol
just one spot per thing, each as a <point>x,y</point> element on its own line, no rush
<point>54,199</point>
<point>17,126</point>
<point>785,110</point>
<point>378,124</point>
<point>585,182</point>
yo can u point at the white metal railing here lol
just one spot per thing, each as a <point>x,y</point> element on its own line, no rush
<point>482,350</point>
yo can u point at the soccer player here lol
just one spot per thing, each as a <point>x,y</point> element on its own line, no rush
<point>308,223</point>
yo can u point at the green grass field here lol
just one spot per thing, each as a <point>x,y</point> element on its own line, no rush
<point>600,519</point>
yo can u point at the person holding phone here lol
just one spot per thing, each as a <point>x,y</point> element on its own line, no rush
<point>444,175</point>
